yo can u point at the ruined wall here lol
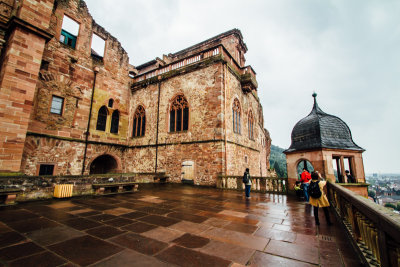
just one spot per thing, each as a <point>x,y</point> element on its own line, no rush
<point>68,73</point>
<point>19,71</point>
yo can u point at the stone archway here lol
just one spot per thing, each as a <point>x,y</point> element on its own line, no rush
<point>303,163</point>
<point>103,164</point>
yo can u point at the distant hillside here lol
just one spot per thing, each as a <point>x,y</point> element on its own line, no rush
<point>277,161</point>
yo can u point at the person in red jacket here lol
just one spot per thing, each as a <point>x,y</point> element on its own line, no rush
<point>305,181</point>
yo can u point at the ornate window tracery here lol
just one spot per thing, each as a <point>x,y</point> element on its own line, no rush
<point>179,115</point>
<point>236,116</point>
<point>139,122</point>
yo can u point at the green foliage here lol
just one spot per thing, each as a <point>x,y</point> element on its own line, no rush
<point>398,206</point>
<point>371,193</point>
<point>390,205</point>
<point>277,161</point>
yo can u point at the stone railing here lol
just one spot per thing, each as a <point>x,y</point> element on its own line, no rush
<point>179,64</point>
<point>259,184</point>
<point>373,229</point>
<point>42,187</point>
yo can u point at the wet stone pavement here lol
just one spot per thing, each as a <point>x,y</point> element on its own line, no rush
<point>171,225</point>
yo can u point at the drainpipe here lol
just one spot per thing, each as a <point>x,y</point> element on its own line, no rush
<point>158,119</point>
<point>95,71</point>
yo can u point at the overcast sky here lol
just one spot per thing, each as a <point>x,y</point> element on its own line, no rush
<point>348,52</point>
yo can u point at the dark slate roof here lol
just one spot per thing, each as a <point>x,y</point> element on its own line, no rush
<point>321,130</point>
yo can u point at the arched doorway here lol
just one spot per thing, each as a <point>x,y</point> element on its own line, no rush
<point>103,164</point>
<point>304,164</point>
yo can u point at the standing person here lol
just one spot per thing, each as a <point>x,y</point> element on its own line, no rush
<point>318,197</point>
<point>247,182</point>
<point>350,178</point>
<point>305,181</point>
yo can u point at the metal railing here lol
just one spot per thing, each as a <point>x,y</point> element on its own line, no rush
<point>374,230</point>
<point>259,184</point>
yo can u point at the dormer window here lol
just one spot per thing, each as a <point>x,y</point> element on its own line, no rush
<point>69,32</point>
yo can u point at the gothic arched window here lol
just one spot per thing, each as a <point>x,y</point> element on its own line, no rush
<point>102,119</point>
<point>179,114</point>
<point>251,125</point>
<point>139,122</point>
<point>236,116</point>
<point>114,122</point>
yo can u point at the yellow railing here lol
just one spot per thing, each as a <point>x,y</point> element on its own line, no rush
<point>259,184</point>
<point>373,229</point>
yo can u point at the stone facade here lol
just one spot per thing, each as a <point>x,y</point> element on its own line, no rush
<point>37,69</point>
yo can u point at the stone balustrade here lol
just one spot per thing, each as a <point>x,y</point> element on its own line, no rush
<point>373,229</point>
<point>259,184</point>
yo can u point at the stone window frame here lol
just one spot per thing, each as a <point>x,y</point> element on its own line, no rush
<point>45,163</point>
<point>105,121</point>
<point>95,55</point>
<point>115,116</point>
<point>62,105</point>
<point>61,31</point>
<point>236,114</point>
<point>250,125</point>
<point>139,116</point>
<point>110,103</point>
<point>179,104</point>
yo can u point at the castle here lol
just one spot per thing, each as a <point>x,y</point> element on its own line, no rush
<point>71,104</point>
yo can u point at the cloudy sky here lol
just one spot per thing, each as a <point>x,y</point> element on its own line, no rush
<point>348,52</point>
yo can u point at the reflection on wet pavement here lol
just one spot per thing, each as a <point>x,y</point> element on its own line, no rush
<point>170,225</point>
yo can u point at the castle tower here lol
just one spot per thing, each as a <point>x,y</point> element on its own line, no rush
<point>325,142</point>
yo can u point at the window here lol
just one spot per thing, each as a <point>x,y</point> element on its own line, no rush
<point>139,122</point>
<point>69,32</point>
<point>110,103</point>
<point>114,122</point>
<point>56,105</point>
<point>102,119</point>
<point>236,116</point>
<point>251,125</point>
<point>98,45</point>
<point>179,115</point>
<point>46,169</point>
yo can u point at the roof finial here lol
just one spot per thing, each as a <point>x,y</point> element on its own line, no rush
<point>315,107</point>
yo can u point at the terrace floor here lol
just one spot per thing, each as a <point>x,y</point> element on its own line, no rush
<point>171,225</point>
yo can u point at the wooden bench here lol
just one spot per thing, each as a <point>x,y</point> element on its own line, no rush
<point>115,188</point>
<point>8,195</point>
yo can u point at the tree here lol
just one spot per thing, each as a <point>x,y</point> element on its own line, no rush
<point>371,193</point>
<point>398,206</point>
<point>390,205</point>
<point>278,169</point>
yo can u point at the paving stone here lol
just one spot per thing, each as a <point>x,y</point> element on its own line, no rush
<point>191,241</point>
<point>118,222</point>
<point>239,227</point>
<point>131,258</point>
<point>190,227</point>
<point>10,238</point>
<point>187,257</point>
<point>293,251</point>
<point>139,227</point>
<point>118,211</point>
<point>32,225</point>
<point>163,234</point>
<point>102,217</point>
<point>104,232</point>
<point>49,236</point>
<point>235,253</point>
<point>19,251</point>
<point>82,224</point>
<point>16,215</point>
<point>276,234</point>
<point>236,238</point>
<point>45,259</point>
<point>134,215</point>
<point>187,217</point>
<point>85,250</point>
<point>139,243</point>
<point>158,220</point>
<point>264,259</point>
